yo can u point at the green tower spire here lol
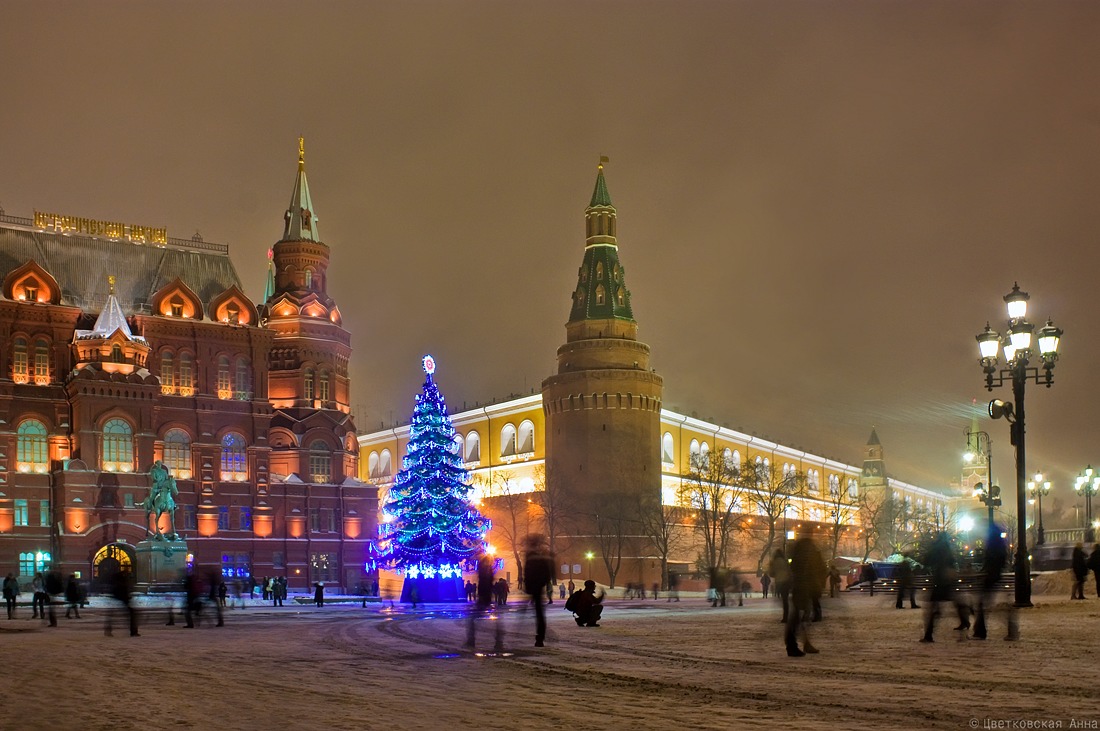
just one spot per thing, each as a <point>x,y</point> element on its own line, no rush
<point>601,292</point>
<point>301,221</point>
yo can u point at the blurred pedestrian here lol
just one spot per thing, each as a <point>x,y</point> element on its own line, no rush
<point>55,586</point>
<point>807,580</point>
<point>72,596</point>
<point>1094,564</point>
<point>869,576</point>
<point>11,593</point>
<point>192,600</point>
<point>485,591</point>
<point>834,581</point>
<point>122,591</point>
<point>538,575</point>
<point>993,565</point>
<point>780,572</point>
<point>39,597</point>
<point>214,578</point>
<point>906,584</point>
<point>941,563</point>
<point>765,583</point>
<point>1079,564</point>
<point>319,594</point>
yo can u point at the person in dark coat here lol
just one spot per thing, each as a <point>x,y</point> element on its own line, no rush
<point>993,565</point>
<point>906,585</point>
<point>587,606</point>
<point>72,596</point>
<point>940,561</point>
<point>319,593</point>
<point>485,594</point>
<point>780,572</point>
<point>808,574</point>
<point>192,599</point>
<point>765,582</point>
<point>122,589</point>
<point>11,591</point>
<point>869,576</point>
<point>1094,564</point>
<point>1079,564</point>
<point>538,575</point>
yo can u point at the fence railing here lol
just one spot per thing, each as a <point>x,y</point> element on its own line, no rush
<point>195,243</point>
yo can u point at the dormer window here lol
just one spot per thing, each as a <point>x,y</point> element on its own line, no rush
<point>233,313</point>
<point>599,294</point>
<point>116,355</point>
<point>176,308</point>
<point>599,270</point>
<point>30,292</point>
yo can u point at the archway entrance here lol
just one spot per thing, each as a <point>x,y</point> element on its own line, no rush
<point>110,560</point>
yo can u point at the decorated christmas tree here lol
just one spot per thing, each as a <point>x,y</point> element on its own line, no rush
<point>430,528</point>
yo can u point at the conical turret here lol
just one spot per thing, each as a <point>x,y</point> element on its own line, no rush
<point>301,221</point>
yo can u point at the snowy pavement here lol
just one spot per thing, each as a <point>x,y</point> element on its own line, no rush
<point>651,665</point>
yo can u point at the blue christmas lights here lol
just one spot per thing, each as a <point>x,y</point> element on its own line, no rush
<point>430,527</point>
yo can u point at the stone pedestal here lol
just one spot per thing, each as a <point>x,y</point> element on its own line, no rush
<point>160,564</point>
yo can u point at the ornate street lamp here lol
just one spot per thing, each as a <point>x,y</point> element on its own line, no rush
<point>1038,488</point>
<point>1017,350</point>
<point>987,492</point>
<point>1088,485</point>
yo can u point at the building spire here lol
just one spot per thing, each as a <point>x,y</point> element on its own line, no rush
<point>600,196</point>
<point>601,291</point>
<point>269,285</point>
<point>300,220</point>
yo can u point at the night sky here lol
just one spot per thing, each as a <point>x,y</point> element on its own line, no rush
<point>820,203</point>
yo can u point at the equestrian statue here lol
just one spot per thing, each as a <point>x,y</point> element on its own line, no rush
<point>161,500</point>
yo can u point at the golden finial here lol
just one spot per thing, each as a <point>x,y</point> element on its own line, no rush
<point>301,153</point>
<point>603,159</point>
<point>111,283</point>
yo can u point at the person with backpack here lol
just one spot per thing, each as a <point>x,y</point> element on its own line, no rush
<point>587,607</point>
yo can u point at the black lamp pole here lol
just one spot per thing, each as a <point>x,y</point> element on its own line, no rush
<point>1017,351</point>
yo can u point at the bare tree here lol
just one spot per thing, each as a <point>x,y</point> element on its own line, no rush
<point>712,489</point>
<point>509,505</point>
<point>841,512</point>
<point>556,513</point>
<point>615,514</point>
<point>772,492</point>
<point>870,507</point>
<point>661,525</point>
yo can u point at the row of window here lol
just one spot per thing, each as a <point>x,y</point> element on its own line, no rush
<point>23,512</point>
<point>117,452</point>
<point>514,442</point>
<point>26,369</point>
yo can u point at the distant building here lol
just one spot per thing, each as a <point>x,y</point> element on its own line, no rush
<point>122,346</point>
<point>598,433</point>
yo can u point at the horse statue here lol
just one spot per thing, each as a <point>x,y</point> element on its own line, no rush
<point>161,500</point>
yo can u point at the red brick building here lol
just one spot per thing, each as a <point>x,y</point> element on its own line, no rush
<point>120,346</point>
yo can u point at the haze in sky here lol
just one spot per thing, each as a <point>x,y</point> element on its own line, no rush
<point>820,204</point>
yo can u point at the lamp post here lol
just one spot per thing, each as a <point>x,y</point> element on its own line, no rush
<point>1039,488</point>
<point>1016,346</point>
<point>1088,485</point>
<point>589,556</point>
<point>988,493</point>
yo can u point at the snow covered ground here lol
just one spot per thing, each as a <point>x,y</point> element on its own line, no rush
<point>651,665</point>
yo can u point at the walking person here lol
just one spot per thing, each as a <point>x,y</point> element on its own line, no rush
<point>906,584</point>
<point>1080,567</point>
<point>484,593</point>
<point>807,580</point>
<point>11,593</point>
<point>39,597</point>
<point>538,574</point>
<point>993,565</point>
<point>765,582</point>
<point>72,596</point>
<point>940,561</point>
<point>122,591</point>
<point>780,572</point>
<point>1094,564</point>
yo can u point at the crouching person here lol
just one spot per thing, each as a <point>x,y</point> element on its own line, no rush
<point>586,605</point>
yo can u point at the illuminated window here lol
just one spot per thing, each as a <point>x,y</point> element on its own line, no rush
<point>386,466</point>
<point>176,308</point>
<point>322,387</point>
<point>118,446</point>
<point>599,270</point>
<point>32,450</point>
<point>186,380</point>
<point>600,294</point>
<point>853,488</point>
<point>526,437</point>
<point>234,458</point>
<point>508,441</point>
<point>244,519</point>
<point>21,512</point>
<point>224,391</point>
<point>620,296</point>
<point>31,563</point>
<point>309,384</point>
<point>309,279</point>
<point>167,373</point>
<point>323,566</point>
<point>42,363</point>
<point>320,462</point>
<point>177,453</point>
<point>243,384</point>
<point>373,469</point>
<point>460,446</point>
<point>19,372</point>
<point>44,513</point>
<point>667,448</point>
<point>190,517</point>
<point>834,486</point>
<point>473,447</point>
<point>233,313</point>
<point>223,517</point>
<point>30,291</point>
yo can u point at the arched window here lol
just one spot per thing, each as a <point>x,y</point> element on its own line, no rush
<point>242,386</point>
<point>601,294</point>
<point>599,270</point>
<point>308,392</point>
<point>118,446</point>
<point>620,296</point>
<point>372,466</point>
<point>42,363</point>
<point>19,372</point>
<point>309,279</point>
<point>386,466</point>
<point>224,389</point>
<point>508,441</point>
<point>320,462</point>
<point>735,458</point>
<point>177,453</point>
<point>834,486</point>
<point>116,354</point>
<point>526,437</point>
<point>667,449</point>
<point>473,447</point>
<point>853,488</point>
<point>167,373</point>
<point>323,386</point>
<point>234,458</point>
<point>460,446</point>
<point>32,449</point>
<point>767,463</point>
<point>187,379</point>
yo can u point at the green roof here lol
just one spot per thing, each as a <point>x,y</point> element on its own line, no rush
<point>601,291</point>
<point>600,196</point>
